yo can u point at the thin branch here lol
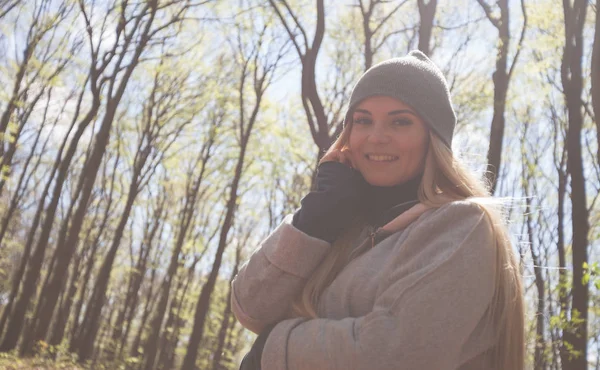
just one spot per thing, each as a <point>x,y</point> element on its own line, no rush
<point>387,17</point>
<point>296,21</point>
<point>488,12</point>
<point>521,38</point>
<point>288,30</point>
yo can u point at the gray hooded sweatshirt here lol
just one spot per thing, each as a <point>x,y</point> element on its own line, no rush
<point>419,299</point>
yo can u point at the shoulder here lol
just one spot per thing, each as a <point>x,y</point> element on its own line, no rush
<point>455,241</point>
<point>465,208</point>
<point>462,227</point>
<point>455,216</point>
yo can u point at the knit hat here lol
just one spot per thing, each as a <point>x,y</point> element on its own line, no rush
<point>416,81</point>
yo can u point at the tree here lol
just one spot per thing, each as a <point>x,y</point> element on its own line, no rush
<point>47,64</point>
<point>96,83</point>
<point>501,78</point>
<point>19,193</point>
<point>225,322</point>
<point>194,183</point>
<point>108,190</point>
<point>258,60</point>
<point>322,131</point>
<point>162,123</point>
<point>574,354</point>
<point>530,164</point>
<point>124,319</point>
<point>427,12</point>
<point>595,78</point>
<point>370,31</point>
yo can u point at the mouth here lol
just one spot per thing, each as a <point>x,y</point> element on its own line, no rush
<point>381,157</point>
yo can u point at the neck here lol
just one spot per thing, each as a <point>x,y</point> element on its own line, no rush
<point>384,203</point>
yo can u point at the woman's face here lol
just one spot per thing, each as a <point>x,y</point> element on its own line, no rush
<point>388,141</point>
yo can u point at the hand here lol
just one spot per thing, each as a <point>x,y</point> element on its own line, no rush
<point>336,202</point>
<point>343,155</point>
<point>251,360</point>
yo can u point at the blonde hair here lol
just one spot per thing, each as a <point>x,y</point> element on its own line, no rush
<point>444,180</point>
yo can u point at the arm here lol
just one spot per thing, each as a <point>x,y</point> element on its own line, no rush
<point>422,318</point>
<point>277,271</point>
<point>266,285</point>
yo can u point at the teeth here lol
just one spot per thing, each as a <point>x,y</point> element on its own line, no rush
<point>381,158</point>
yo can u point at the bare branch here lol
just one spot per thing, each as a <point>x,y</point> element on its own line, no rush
<point>387,17</point>
<point>521,38</point>
<point>488,12</point>
<point>289,31</point>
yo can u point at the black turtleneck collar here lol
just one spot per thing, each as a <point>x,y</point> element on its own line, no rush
<point>384,203</point>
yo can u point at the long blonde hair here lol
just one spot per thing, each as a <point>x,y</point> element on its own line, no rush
<point>444,180</point>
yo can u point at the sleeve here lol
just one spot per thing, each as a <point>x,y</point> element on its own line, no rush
<point>421,320</point>
<point>274,274</point>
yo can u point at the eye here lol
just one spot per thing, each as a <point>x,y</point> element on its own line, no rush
<point>402,122</point>
<point>362,121</point>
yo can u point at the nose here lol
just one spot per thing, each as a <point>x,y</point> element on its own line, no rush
<point>378,134</point>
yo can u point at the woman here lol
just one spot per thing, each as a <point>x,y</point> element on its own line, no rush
<point>398,259</point>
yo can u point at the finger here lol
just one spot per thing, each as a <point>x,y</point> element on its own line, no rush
<point>347,155</point>
<point>344,159</point>
<point>331,156</point>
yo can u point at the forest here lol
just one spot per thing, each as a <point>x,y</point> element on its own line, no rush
<point>148,146</point>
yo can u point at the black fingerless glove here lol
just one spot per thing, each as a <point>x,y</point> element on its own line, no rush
<point>251,360</point>
<point>334,204</point>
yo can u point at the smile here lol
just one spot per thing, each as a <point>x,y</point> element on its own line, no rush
<point>381,157</point>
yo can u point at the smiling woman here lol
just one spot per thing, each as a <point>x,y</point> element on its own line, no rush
<point>398,259</point>
<point>388,141</point>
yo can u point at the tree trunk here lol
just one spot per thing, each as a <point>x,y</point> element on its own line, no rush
<point>187,214</point>
<point>134,281</point>
<point>427,13</point>
<point>23,180</point>
<point>7,157</point>
<point>539,358</point>
<point>151,345</point>
<point>131,307</point>
<point>90,264</point>
<point>32,332</point>
<point>501,79</point>
<point>367,33</point>
<point>313,107</point>
<point>135,345</point>
<point>17,316</point>
<point>16,91</point>
<point>58,329</point>
<point>529,166</point>
<point>203,304</point>
<point>91,320</point>
<point>89,174</point>
<point>168,338</point>
<point>225,322</point>
<point>595,77</point>
<point>562,175</point>
<point>576,335</point>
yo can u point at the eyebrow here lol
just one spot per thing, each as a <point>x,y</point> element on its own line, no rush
<point>392,113</point>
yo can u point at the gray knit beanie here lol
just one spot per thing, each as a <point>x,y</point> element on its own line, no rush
<point>416,81</point>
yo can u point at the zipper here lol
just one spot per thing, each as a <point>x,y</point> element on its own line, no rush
<point>372,233</point>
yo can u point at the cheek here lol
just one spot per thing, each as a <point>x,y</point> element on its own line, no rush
<point>414,150</point>
<point>409,144</point>
<point>352,138</point>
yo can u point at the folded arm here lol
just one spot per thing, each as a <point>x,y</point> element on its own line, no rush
<point>274,275</point>
<point>420,321</point>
